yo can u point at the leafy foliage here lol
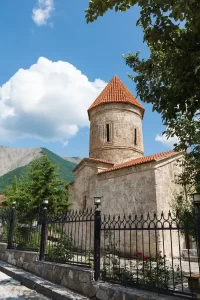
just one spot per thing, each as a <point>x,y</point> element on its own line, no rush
<point>25,238</point>
<point>169,78</point>
<point>65,167</point>
<point>41,182</point>
<point>62,250</point>
<point>154,272</point>
<point>184,210</point>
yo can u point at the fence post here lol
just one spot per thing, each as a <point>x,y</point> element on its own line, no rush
<point>11,226</point>
<point>97,238</point>
<point>43,231</point>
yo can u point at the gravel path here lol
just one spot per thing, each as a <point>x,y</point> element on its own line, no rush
<point>11,289</point>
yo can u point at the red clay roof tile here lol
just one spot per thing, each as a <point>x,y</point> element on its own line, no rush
<point>116,91</point>
<point>141,160</point>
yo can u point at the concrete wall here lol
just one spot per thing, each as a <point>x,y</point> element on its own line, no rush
<point>123,119</point>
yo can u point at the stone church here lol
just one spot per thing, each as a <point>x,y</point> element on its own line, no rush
<point>117,170</point>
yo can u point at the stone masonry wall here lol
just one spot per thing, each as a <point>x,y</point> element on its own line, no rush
<point>83,190</point>
<point>137,190</point>
<point>74,278</point>
<point>123,120</point>
<point>125,191</point>
<point>167,189</point>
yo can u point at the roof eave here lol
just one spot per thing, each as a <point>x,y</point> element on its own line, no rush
<point>91,107</point>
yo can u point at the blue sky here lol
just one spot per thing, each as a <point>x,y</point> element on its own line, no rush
<point>43,102</point>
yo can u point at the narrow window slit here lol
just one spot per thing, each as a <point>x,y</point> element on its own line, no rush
<point>108,132</point>
<point>135,137</point>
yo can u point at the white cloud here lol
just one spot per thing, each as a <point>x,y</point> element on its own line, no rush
<point>48,101</point>
<point>65,144</point>
<point>168,142</point>
<point>42,12</point>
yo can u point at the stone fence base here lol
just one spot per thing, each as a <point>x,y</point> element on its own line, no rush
<point>78,279</point>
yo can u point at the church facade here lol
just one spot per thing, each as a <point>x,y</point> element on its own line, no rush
<point>117,170</point>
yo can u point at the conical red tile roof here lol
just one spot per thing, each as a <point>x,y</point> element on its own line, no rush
<point>116,91</point>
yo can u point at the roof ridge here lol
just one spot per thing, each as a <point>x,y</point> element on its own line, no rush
<point>142,160</point>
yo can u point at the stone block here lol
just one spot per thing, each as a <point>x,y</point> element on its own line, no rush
<point>71,280</point>
<point>14,262</point>
<point>118,296</point>
<point>25,266</point>
<point>17,254</point>
<point>19,264</point>
<point>58,274</point>
<point>49,275</point>
<point>30,256</point>
<point>88,289</point>
<point>102,294</point>
<point>31,267</point>
<point>84,277</point>
<point>9,259</point>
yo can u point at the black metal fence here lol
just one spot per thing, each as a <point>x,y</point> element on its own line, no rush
<point>149,252</point>
<point>69,238</point>
<point>4,224</point>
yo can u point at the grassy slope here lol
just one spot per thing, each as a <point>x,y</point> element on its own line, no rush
<point>7,178</point>
<point>66,167</point>
<point>65,170</point>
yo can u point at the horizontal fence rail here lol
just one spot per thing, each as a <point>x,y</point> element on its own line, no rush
<point>150,252</point>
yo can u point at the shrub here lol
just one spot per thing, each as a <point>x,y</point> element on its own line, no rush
<point>62,250</point>
<point>24,238</point>
<point>155,272</point>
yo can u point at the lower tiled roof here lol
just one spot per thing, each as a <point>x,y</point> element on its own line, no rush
<point>93,159</point>
<point>100,160</point>
<point>141,160</point>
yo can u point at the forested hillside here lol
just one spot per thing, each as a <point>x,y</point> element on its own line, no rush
<point>65,169</point>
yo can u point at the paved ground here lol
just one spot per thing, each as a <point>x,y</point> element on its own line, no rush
<point>11,289</point>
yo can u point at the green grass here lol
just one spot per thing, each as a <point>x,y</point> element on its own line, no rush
<point>65,170</point>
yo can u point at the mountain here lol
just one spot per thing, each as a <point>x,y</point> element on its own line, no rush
<point>15,162</point>
<point>75,159</point>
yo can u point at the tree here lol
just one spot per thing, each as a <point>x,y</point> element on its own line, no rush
<point>183,209</point>
<point>170,77</point>
<point>41,182</point>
